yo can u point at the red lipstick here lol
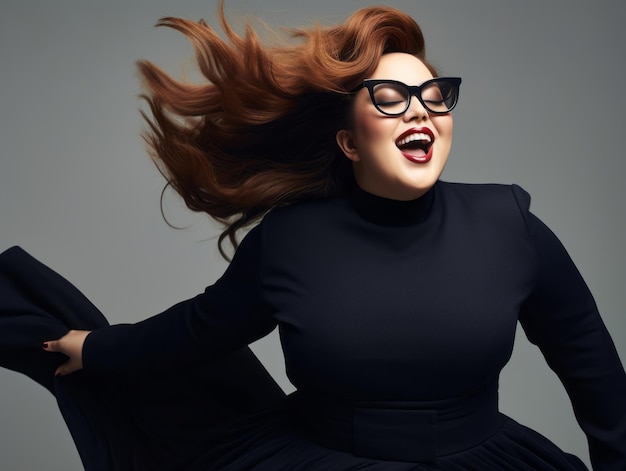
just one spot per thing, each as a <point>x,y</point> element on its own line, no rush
<point>418,150</point>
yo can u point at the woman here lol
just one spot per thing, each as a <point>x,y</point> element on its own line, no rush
<point>397,295</point>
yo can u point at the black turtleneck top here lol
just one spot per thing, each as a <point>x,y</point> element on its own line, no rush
<point>381,300</point>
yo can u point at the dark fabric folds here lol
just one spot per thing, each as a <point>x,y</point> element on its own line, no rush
<point>120,423</point>
<point>267,443</point>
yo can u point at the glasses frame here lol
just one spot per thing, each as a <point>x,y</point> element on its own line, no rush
<point>413,91</point>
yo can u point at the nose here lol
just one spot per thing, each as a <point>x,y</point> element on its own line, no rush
<point>415,110</point>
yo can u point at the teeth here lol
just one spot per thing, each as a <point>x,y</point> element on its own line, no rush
<point>414,137</point>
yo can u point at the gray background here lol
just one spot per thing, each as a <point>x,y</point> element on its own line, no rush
<point>542,105</point>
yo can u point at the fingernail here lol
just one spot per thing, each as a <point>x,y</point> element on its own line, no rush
<point>57,373</point>
<point>45,345</point>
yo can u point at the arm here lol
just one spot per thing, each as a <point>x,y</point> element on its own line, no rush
<point>561,318</point>
<point>228,315</point>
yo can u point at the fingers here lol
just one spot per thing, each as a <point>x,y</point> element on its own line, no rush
<point>71,344</point>
<point>51,346</point>
<point>59,345</point>
<point>67,368</point>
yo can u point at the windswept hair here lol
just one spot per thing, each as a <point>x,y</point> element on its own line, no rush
<point>261,131</point>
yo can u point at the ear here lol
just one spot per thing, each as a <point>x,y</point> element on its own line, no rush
<point>346,143</point>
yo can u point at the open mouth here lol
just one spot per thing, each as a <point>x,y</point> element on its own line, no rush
<point>416,144</point>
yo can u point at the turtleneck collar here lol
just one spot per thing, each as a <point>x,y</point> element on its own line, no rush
<point>389,212</point>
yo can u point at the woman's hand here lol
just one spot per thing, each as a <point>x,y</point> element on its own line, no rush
<point>71,344</point>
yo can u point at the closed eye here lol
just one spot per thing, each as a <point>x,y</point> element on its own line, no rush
<point>389,102</point>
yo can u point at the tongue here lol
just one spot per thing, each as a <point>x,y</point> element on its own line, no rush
<point>413,151</point>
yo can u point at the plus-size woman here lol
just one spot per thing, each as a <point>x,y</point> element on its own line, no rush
<point>396,294</point>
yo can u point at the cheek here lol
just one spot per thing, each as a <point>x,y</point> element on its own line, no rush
<point>444,125</point>
<point>371,130</point>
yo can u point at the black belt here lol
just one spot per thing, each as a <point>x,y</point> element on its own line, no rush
<point>399,430</point>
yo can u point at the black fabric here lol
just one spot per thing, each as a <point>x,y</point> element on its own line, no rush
<point>133,421</point>
<point>385,310</point>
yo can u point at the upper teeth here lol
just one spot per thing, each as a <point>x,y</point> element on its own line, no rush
<point>414,137</point>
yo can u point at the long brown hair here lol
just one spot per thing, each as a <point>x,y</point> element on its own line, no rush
<point>261,132</point>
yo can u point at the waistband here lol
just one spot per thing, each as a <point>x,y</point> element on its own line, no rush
<point>413,431</point>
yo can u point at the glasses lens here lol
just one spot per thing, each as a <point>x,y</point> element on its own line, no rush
<point>440,96</point>
<point>391,98</point>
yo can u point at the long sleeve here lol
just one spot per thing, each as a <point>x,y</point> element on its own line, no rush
<point>562,319</point>
<point>226,316</point>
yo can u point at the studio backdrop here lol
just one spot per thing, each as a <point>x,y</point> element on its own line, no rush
<point>542,105</point>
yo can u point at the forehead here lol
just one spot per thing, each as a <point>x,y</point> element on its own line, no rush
<point>403,67</point>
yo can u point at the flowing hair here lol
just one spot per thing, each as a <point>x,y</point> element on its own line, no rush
<point>260,132</point>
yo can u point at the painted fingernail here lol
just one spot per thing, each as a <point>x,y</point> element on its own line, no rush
<point>45,345</point>
<point>57,373</point>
